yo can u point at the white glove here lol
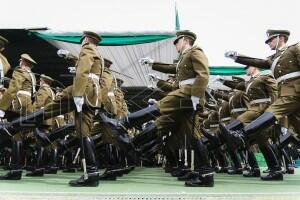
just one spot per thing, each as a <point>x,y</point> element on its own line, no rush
<point>154,77</point>
<point>79,103</point>
<point>110,94</point>
<point>2,113</point>
<point>219,79</point>
<point>195,101</point>
<point>152,101</point>
<point>72,70</point>
<point>231,54</point>
<point>63,53</point>
<point>146,61</point>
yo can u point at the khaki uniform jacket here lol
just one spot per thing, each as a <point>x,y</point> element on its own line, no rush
<point>224,112</point>
<point>5,63</point>
<point>261,87</point>
<point>238,103</point>
<point>89,62</point>
<point>239,85</point>
<point>193,63</point>
<point>288,62</point>
<point>107,92</point>
<point>122,109</point>
<point>44,96</point>
<point>167,86</point>
<point>21,81</point>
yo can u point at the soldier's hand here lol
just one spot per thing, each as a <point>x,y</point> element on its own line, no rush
<point>152,101</point>
<point>79,103</point>
<point>2,113</point>
<point>231,54</point>
<point>146,61</point>
<point>220,79</point>
<point>63,53</point>
<point>195,101</point>
<point>72,70</point>
<point>154,77</point>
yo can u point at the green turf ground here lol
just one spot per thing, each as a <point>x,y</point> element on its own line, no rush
<point>150,182</point>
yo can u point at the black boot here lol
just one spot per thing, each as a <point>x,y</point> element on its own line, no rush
<point>108,175</point>
<point>69,166</point>
<point>61,132</point>
<point>255,127</point>
<point>52,166</point>
<point>39,168</point>
<point>253,172</point>
<point>16,162</point>
<point>275,172</point>
<point>139,117</point>
<point>237,166</point>
<point>92,180</point>
<point>188,176</point>
<point>202,166</point>
<point>148,134</point>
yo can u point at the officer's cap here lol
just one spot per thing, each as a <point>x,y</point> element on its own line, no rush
<point>28,58</point>
<point>274,33</point>
<point>3,41</point>
<point>185,33</point>
<point>48,79</point>
<point>91,34</point>
<point>107,62</point>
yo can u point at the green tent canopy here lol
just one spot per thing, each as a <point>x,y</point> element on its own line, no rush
<point>226,70</point>
<point>107,39</point>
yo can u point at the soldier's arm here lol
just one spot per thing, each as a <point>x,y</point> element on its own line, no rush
<point>84,64</point>
<point>5,63</point>
<point>106,84</point>
<point>245,99</point>
<point>232,84</point>
<point>164,68</point>
<point>296,52</point>
<point>256,62</point>
<point>200,66</point>
<point>164,85</point>
<point>15,85</point>
<point>221,95</point>
<point>271,87</point>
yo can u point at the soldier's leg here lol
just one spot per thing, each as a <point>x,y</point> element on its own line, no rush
<point>16,159</point>
<point>83,126</point>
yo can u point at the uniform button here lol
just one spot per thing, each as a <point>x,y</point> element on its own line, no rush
<point>279,71</point>
<point>290,61</point>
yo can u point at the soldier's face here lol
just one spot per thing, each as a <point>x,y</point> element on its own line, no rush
<point>273,43</point>
<point>179,45</point>
<point>250,70</point>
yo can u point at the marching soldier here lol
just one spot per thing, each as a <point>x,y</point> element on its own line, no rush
<point>44,95</point>
<point>85,98</point>
<point>107,89</point>
<point>192,74</point>
<point>17,98</point>
<point>284,65</point>
<point>122,108</point>
<point>89,68</point>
